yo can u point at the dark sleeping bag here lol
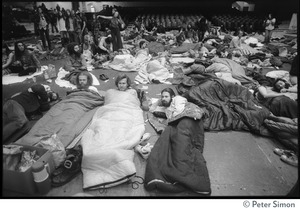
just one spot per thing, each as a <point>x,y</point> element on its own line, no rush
<point>230,106</point>
<point>176,162</point>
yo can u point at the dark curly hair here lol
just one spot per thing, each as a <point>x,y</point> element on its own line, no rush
<point>18,53</point>
<point>70,48</point>
<point>287,85</point>
<point>7,51</point>
<point>170,91</point>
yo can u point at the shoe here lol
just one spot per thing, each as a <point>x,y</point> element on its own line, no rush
<point>65,177</point>
<point>281,152</point>
<point>144,151</point>
<point>292,160</point>
<point>103,77</point>
<point>146,137</point>
<point>69,169</point>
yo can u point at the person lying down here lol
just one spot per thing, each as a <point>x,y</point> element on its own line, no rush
<point>108,143</point>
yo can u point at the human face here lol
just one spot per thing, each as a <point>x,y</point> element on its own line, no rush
<point>116,14</point>
<point>83,80</point>
<point>86,39</point>
<point>21,46</point>
<point>280,85</point>
<point>166,99</point>
<point>240,34</point>
<point>76,48</point>
<point>122,84</point>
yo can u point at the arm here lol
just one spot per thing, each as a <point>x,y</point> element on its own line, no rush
<point>105,17</point>
<point>267,94</point>
<point>69,66</point>
<point>9,61</point>
<point>273,21</point>
<point>293,89</point>
<point>153,106</point>
<point>101,44</point>
<point>40,91</point>
<point>35,61</point>
<point>83,62</point>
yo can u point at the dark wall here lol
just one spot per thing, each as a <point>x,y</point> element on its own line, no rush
<point>283,9</point>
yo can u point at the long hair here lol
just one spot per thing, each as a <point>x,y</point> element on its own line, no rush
<point>18,53</point>
<point>7,51</point>
<point>287,85</point>
<point>170,91</point>
<point>122,76</point>
<point>89,78</point>
<point>70,49</point>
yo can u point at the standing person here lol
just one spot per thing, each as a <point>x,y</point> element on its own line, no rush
<point>53,20</point>
<point>22,106</point>
<point>35,24</point>
<point>76,27</point>
<point>96,26</point>
<point>202,28</point>
<point>70,25</point>
<point>43,26</point>
<point>79,25</point>
<point>116,24</point>
<point>269,27</point>
<point>23,62</point>
<point>61,23</point>
<point>82,22</point>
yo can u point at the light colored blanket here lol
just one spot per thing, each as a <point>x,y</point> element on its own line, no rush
<point>156,70</point>
<point>64,83</point>
<point>236,70</point>
<point>107,143</point>
<point>128,63</point>
<point>14,78</point>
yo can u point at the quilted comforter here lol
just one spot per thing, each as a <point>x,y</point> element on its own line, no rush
<point>108,142</point>
<point>67,119</point>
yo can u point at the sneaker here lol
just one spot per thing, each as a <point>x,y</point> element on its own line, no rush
<point>144,151</point>
<point>281,152</point>
<point>146,137</point>
<point>292,160</point>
